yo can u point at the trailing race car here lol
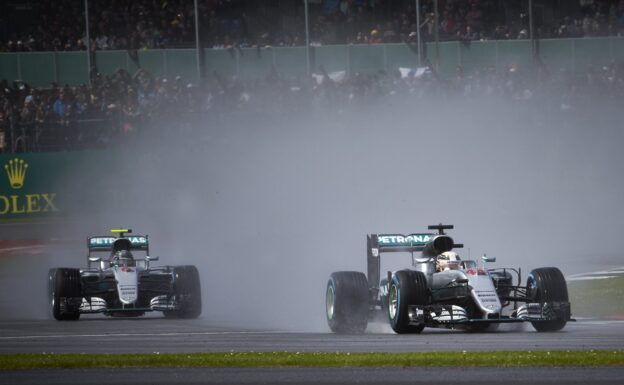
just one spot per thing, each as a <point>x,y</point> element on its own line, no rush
<point>122,285</point>
<point>442,290</point>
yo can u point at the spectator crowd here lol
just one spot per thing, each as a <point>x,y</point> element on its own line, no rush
<point>148,24</point>
<point>125,105</point>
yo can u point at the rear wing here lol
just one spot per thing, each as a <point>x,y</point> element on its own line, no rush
<point>105,242</point>
<point>429,244</point>
<point>399,242</point>
<point>387,243</point>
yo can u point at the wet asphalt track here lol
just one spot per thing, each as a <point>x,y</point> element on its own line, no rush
<point>154,334</point>
<point>98,334</point>
<point>325,376</point>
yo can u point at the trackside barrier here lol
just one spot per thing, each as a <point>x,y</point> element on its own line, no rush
<point>42,68</point>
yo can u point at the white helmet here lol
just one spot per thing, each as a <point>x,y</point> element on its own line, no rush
<point>448,260</point>
<point>449,256</point>
<point>122,258</point>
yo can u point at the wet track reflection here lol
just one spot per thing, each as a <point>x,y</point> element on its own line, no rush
<point>154,334</point>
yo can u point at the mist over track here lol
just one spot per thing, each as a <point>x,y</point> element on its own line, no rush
<point>267,207</point>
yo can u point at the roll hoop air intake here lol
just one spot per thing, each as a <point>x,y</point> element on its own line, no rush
<point>439,243</point>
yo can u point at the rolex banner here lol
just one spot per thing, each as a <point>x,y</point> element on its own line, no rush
<point>28,187</point>
<point>45,185</point>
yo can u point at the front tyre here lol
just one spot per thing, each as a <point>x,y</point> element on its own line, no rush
<point>187,291</point>
<point>346,302</point>
<point>544,285</point>
<point>407,287</point>
<point>65,293</point>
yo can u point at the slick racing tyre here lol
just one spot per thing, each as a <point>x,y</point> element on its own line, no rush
<point>346,302</point>
<point>407,287</point>
<point>547,284</point>
<point>187,291</point>
<point>65,294</point>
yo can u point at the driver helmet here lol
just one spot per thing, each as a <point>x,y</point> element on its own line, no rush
<point>122,258</point>
<point>448,260</point>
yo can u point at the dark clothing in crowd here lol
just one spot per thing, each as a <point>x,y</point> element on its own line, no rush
<point>124,104</point>
<point>148,24</point>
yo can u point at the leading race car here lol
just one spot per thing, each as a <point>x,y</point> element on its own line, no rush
<point>442,290</point>
<point>121,285</point>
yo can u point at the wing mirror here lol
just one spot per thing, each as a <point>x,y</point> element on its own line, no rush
<point>150,258</point>
<point>93,260</point>
<point>485,258</point>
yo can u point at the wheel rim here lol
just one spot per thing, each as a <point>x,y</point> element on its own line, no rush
<point>330,300</point>
<point>532,288</point>
<point>393,301</point>
<point>53,299</point>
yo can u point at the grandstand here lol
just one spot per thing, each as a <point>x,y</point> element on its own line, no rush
<point>30,25</point>
<point>147,61</point>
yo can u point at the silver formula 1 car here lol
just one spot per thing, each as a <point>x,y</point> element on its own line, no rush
<point>119,284</point>
<point>442,290</point>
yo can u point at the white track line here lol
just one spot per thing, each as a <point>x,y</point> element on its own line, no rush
<point>590,278</point>
<point>616,272</point>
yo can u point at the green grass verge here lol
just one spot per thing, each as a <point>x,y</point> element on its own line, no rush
<point>597,297</point>
<point>284,359</point>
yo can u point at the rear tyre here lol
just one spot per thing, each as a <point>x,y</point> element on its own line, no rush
<point>187,291</point>
<point>547,284</point>
<point>346,302</point>
<point>407,287</point>
<point>65,293</point>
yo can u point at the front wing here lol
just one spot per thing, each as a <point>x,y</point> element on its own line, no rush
<point>155,293</point>
<point>452,315</point>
